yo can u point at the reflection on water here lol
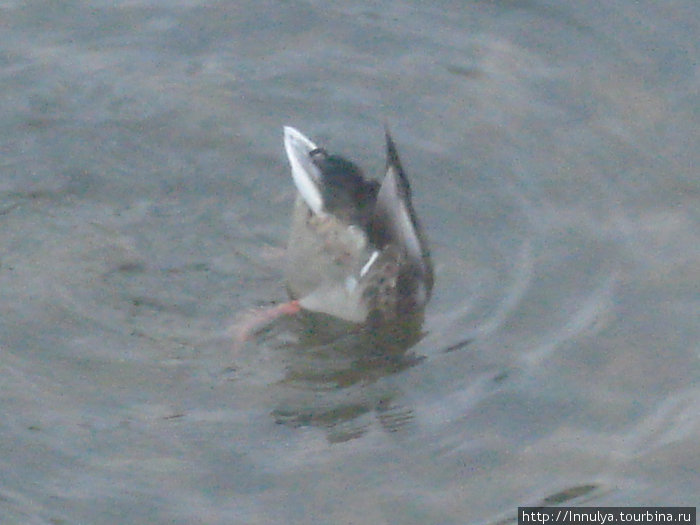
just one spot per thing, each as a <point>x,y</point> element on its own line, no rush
<point>331,374</point>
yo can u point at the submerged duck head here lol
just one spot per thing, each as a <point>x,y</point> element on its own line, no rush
<point>356,251</point>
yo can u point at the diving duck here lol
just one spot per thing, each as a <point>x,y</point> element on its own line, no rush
<point>356,251</point>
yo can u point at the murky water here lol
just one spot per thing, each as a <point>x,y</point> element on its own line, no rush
<point>144,206</point>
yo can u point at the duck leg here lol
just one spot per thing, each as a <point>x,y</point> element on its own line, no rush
<point>256,320</point>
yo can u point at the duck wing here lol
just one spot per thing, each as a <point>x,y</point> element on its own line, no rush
<point>395,221</point>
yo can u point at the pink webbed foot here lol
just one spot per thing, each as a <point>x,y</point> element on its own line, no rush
<point>255,320</point>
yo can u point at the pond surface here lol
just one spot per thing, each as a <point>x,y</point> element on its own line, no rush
<point>145,201</point>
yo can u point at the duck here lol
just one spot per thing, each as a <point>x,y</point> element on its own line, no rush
<point>356,250</point>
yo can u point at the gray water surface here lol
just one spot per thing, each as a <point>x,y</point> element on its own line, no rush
<point>145,202</point>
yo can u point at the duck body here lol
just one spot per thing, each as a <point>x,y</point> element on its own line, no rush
<point>356,251</point>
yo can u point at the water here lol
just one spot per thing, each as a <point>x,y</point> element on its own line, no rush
<point>144,206</point>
